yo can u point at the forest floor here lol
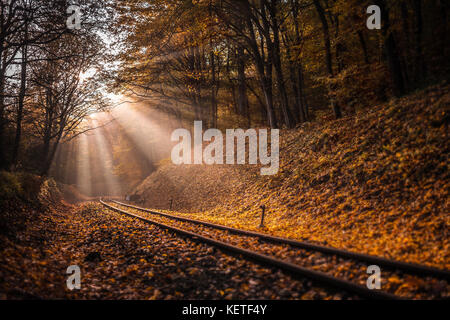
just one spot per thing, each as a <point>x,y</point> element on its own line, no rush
<point>376,182</point>
<point>121,258</point>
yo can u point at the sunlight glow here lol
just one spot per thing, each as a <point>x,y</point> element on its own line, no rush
<point>149,136</point>
<point>106,159</point>
<point>130,129</point>
<point>89,73</point>
<point>84,166</point>
<point>115,98</point>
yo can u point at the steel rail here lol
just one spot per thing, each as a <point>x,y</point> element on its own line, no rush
<point>292,269</point>
<point>380,261</point>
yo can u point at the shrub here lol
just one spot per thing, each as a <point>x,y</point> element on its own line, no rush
<point>10,186</point>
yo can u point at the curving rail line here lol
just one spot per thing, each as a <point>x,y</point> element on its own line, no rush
<point>291,268</point>
<point>410,268</point>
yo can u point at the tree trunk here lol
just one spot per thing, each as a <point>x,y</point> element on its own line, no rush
<point>21,99</point>
<point>2,106</point>
<point>213,91</point>
<point>275,52</point>
<point>303,105</point>
<point>298,114</point>
<point>242,100</point>
<point>49,150</point>
<point>264,69</point>
<point>390,49</point>
<point>362,41</point>
<point>50,155</point>
<point>329,64</point>
<point>421,70</point>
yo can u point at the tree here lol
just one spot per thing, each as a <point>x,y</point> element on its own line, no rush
<point>63,99</point>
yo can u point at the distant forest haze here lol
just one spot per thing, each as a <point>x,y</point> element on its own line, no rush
<point>118,150</point>
<point>93,105</point>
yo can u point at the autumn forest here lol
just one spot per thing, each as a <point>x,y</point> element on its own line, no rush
<point>224,150</point>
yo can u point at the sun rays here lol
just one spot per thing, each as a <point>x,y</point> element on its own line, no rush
<point>128,129</point>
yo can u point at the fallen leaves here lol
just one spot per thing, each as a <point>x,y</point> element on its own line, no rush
<point>129,260</point>
<point>352,270</point>
<point>374,183</point>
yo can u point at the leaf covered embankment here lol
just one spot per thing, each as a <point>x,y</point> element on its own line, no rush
<point>21,196</point>
<point>376,182</point>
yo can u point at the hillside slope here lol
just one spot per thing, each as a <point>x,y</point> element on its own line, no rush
<point>376,183</point>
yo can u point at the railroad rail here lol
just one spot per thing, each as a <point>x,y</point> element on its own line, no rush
<point>410,268</point>
<point>268,261</point>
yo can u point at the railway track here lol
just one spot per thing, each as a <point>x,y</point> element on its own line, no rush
<point>333,267</point>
